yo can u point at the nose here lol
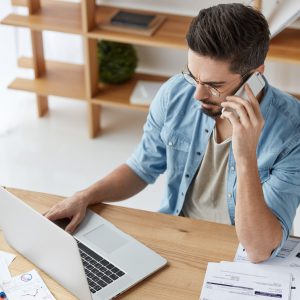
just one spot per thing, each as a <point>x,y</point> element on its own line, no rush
<point>201,92</point>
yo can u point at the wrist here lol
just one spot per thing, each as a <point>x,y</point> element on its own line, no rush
<point>246,165</point>
<point>84,197</point>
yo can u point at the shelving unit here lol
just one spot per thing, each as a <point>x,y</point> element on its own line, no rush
<point>170,34</point>
<point>120,97</point>
<point>81,81</point>
<point>285,47</point>
<point>61,79</point>
<point>52,15</point>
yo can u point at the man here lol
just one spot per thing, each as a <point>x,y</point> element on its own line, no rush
<point>238,168</point>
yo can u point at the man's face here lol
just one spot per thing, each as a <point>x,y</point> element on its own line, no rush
<point>215,74</point>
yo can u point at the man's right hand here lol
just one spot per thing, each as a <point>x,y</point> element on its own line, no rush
<point>73,208</point>
<point>119,185</point>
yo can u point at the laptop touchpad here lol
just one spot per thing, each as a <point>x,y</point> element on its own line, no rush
<point>105,238</point>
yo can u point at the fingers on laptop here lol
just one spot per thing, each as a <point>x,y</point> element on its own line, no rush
<point>48,212</point>
<point>55,213</point>
<point>74,223</point>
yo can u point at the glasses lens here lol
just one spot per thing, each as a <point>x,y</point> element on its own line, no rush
<point>213,91</point>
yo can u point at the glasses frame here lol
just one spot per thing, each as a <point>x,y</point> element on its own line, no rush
<point>191,79</point>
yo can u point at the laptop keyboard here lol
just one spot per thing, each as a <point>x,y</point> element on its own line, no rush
<point>99,271</point>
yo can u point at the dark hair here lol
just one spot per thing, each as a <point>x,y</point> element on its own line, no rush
<point>232,32</point>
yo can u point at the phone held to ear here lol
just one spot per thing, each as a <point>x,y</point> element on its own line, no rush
<point>256,83</point>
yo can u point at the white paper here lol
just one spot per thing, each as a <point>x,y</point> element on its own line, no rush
<point>245,283</point>
<point>295,284</point>
<point>8,257</point>
<point>27,286</point>
<point>4,272</point>
<point>284,13</point>
<point>288,256</point>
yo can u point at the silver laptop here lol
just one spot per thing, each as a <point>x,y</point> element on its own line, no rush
<point>98,262</point>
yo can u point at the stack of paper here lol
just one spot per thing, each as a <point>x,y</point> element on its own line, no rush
<point>237,281</point>
<point>23,287</point>
<point>8,257</point>
<point>278,277</point>
<point>4,272</point>
<point>5,260</point>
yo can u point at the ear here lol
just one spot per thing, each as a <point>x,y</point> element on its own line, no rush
<point>261,69</point>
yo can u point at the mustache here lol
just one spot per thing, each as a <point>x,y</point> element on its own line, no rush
<point>205,101</point>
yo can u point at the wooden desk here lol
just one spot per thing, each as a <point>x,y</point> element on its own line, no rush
<point>187,244</point>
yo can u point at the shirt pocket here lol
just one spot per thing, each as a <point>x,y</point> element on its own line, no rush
<point>177,148</point>
<point>264,175</point>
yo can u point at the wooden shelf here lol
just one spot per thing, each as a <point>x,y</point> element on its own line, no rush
<point>170,34</point>
<point>61,79</point>
<point>119,95</point>
<point>81,81</point>
<point>285,46</point>
<point>54,16</point>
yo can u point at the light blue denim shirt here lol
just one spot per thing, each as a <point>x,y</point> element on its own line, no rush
<point>176,135</point>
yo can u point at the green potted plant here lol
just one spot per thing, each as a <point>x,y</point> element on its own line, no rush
<point>117,62</point>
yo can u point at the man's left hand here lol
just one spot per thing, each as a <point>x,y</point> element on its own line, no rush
<point>246,125</point>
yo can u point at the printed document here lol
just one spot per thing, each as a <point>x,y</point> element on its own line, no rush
<point>258,268</point>
<point>8,257</point>
<point>27,286</point>
<point>244,282</point>
<point>4,272</point>
<point>288,256</point>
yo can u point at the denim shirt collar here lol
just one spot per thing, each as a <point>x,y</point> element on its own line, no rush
<point>267,99</point>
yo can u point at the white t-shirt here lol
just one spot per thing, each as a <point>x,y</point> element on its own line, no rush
<point>206,197</point>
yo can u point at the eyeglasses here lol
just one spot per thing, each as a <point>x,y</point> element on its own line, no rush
<point>191,79</point>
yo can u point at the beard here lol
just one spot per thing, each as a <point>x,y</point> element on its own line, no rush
<point>213,113</point>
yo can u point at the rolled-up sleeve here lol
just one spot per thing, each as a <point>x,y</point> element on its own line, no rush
<point>148,160</point>
<point>282,189</point>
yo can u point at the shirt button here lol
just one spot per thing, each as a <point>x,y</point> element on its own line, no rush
<point>198,153</point>
<point>182,194</point>
<point>232,168</point>
<point>177,211</point>
<point>170,144</point>
<point>206,130</point>
<point>187,175</point>
<point>229,195</point>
